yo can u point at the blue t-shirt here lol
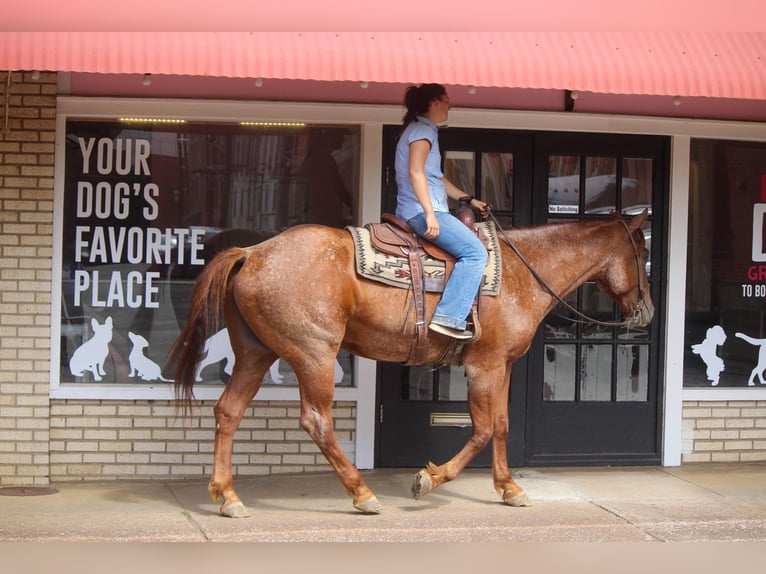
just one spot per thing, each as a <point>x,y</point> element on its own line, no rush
<point>407,204</point>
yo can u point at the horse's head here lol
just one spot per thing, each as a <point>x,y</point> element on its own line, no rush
<point>625,276</point>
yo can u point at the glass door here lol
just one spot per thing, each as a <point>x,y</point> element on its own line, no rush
<point>594,392</point>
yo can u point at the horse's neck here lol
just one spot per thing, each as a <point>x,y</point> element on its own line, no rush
<point>566,255</point>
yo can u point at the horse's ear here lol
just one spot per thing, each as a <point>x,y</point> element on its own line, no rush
<point>639,219</point>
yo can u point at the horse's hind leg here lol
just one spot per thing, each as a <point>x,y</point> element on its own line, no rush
<point>317,388</point>
<point>243,384</point>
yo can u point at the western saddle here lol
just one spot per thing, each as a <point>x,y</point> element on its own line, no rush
<point>394,236</point>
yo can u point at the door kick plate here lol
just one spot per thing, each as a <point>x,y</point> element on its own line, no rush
<point>461,420</point>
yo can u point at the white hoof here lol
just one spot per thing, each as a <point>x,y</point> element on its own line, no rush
<point>520,499</point>
<point>369,506</point>
<point>235,510</point>
<point>421,485</point>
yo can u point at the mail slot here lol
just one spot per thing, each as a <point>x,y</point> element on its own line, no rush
<point>450,420</point>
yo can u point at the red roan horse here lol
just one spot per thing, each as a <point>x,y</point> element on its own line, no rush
<point>297,296</point>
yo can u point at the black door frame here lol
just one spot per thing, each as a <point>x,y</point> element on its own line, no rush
<point>555,415</point>
<point>530,206</point>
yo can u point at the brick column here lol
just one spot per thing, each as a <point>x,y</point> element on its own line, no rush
<point>27,134</point>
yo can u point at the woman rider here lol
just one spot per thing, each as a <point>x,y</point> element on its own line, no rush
<point>422,202</point>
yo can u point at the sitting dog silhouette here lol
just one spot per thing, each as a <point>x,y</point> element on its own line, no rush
<point>141,365</point>
<point>90,356</point>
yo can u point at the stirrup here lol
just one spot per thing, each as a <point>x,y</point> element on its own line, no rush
<point>450,332</point>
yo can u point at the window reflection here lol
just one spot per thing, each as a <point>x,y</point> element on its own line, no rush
<point>600,184</point>
<point>564,184</point>
<point>422,383</point>
<point>632,372</point>
<point>636,185</point>
<point>460,169</point>
<point>497,180</point>
<point>559,373</point>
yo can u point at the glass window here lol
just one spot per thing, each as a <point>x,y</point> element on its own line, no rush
<point>423,383</point>
<point>596,373</point>
<point>632,372</point>
<point>146,206</point>
<point>559,372</point>
<point>636,185</point>
<point>564,184</point>
<point>600,184</point>
<point>460,169</point>
<point>497,180</point>
<point>725,330</point>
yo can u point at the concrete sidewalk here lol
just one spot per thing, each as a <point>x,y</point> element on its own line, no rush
<point>689,503</point>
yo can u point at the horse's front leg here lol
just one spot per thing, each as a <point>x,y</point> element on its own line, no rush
<point>483,394</point>
<point>512,493</point>
<point>240,390</point>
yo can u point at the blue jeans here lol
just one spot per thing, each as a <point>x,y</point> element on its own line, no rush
<point>460,242</point>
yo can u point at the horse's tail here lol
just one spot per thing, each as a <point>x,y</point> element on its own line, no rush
<point>205,312</point>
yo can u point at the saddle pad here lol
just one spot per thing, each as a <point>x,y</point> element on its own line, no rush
<point>395,271</point>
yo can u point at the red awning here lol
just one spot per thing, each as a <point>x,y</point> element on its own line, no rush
<point>711,64</point>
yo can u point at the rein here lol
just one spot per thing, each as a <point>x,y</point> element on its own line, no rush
<point>635,315</point>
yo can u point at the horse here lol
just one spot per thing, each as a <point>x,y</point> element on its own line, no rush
<point>297,296</point>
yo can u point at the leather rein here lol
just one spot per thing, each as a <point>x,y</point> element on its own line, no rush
<point>635,316</point>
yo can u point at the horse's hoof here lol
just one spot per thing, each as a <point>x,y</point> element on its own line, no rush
<point>235,510</point>
<point>421,485</point>
<point>519,499</point>
<point>369,506</point>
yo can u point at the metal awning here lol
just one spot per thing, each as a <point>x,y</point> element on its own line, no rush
<point>709,64</point>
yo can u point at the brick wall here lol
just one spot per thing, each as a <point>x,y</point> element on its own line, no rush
<point>26,239</point>
<point>103,439</point>
<point>43,440</point>
<point>724,431</point>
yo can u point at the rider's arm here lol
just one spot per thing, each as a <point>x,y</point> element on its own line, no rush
<point>417,168</point>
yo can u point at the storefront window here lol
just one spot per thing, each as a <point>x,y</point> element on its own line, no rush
<point>725,331</point>
<point>146,206</point>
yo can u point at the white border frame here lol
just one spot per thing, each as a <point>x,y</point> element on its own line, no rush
<point>371,118</point>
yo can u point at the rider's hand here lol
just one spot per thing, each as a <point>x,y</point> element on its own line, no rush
<point>432,226</point>
<point>480,206</point>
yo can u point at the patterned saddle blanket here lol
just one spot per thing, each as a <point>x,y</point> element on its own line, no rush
<point>395,270</point>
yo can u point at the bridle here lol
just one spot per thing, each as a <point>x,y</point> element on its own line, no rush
<point>635,315</point>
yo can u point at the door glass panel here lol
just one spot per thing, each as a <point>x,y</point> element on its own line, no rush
<point>559,373</point>
<point>636,185</point>
<point>596,373</point>
<point>632,372</point>
<point>460,169</point>
<point>497,180</point>
<point>600,184</point>
<point>452,383</point>
<point>563,184</point>
<point>597,305</point>
<point>559,323</point>
<point>422,383</point>
<point>416,384</point>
